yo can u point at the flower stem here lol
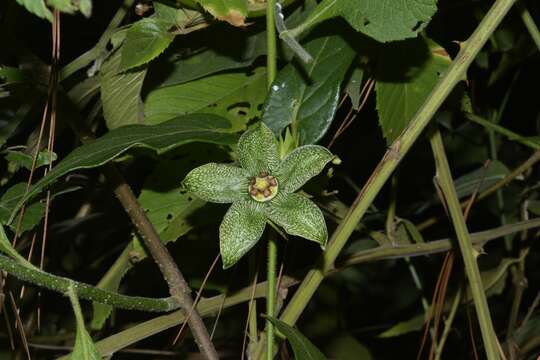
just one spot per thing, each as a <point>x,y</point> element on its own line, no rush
<point>271,295</point>
<point>271,69</point>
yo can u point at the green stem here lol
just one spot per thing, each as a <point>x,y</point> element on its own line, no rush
<point>212,306</point>
<point>85,291</point>
<point>528,21</point>
<point>469,254</point>
<point>512,136</point>
<point>101,45</point>
<point>448,324</point>
<point>389,162</point>
<point>271,296</point>
<point>271,70</point>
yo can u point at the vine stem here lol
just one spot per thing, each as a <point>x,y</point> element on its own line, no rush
<point>469,254</point>
<point>455,73</point>
<point>271,70</point>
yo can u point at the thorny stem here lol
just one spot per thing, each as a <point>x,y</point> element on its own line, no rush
<point>211,306</point>
<point>391,159</point>
<point>469,254</point>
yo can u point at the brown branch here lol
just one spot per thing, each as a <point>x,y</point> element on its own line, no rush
<point>178,287</point>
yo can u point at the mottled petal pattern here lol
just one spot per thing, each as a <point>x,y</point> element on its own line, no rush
<point>298,216</point>
<point>257,150</point>
<point>300,165</point>
<point>219,183</point>
<point>241,228</point>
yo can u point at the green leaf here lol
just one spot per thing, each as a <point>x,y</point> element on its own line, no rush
<point>145,40</point>
<point>241,228</point>
<point>408,71</point>
<point>38,8</point>
<point>346,347</point>
<point>480,179</point>
<point>298,216</point>
<point>161,138</point>
<point>404,327</point>
<point>22,159</point>
<point>63,5</point>
<point>354,86</point>
<point>219,94</point>
<point>84,348</point>
<point>301,165</point>
<point>383,20</point>
<point>257,150</point>
<point>308,98</point>
<point>232,11</point>
<point>85,7</point>
<point>303,348</point>
<point>120,93</point>
<point>219,183</point>
<point>32,213</point>
<point>7,248</point>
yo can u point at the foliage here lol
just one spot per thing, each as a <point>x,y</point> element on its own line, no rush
<point>173,99</point>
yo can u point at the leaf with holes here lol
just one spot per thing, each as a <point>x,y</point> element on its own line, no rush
<point>235,96</point>
<point>307,98</point>
<point>383,20</point>
<point>232,11</point>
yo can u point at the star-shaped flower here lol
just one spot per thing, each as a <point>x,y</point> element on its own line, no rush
<point>262,190</point>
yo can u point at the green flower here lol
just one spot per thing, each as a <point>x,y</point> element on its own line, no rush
<point>262,190</point>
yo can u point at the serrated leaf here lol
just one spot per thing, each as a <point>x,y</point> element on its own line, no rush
<point>308,98</point>
<point>144,41</point>
<point>173,16</point>
<point>302,347</point>
<point>232,11</point>
<point>241,228</point>
<point>219,183</point>
<point>298,216</point>
<point>300,165</point>
<point>37,7</point>
<point>257,150</point>
<point>161,138</point>
<point>408,71</point>
<point>383,20</point>
<point>84,348</point>
<point>219,94</point>
<point>120,93</point>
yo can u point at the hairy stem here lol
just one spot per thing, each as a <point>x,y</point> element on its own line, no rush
<point>212,306</point>
<point>85,291</point>
<point>469,254</point>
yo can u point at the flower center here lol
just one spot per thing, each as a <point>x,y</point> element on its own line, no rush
<point>263,187</point>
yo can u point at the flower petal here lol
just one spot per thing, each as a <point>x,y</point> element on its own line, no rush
<point>299,216</point>
<point>301,165</point>
<point>219,183</point>
<point>257,150</point>
<point>241,228</point>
